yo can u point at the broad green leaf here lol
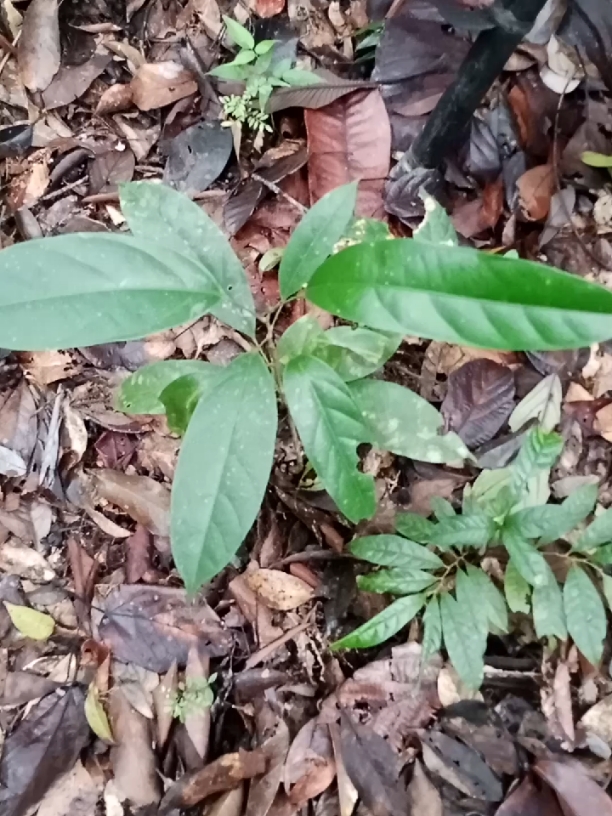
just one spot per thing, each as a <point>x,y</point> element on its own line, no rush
<point>315,237</point>
<point>140,392</point>
<point>230,71</point>
<point>597,533</point>
<point>181,397</point>
<point>548,612</point>
<point>542,403</point>
<point>414,526</point>
<point>585,613</point>
<point>396,581</point>
<point>30,622</point>
<point>442,508</point>
<point>432,630</point>
<point>529,561</point>
<point>490,596</point>
<point>462,640</point>
<point>238,34</point>
<point>89,288</point>
<point>394,551</point>
<point>402,422</point>
<point>330,427</point>
<point>572,511</point>
<point>354,352</point>
<point>366,230</point>
<point>472,606</point>
<point>162,216</point>
<point>436,228</point>
<point>270,259</point>
<point>594,159</point>
<point>489,484</point>
<point>384,625</point>
<point>300,77</point>
<point>463,531</point>
<point>264,46</point>
<point>96,715</point>
<point>533,522</point>
<point>223,469</point>
<point>516,589</point>
<point>244,58</point>
<point>606,585</point>
<point>539,451</point>
<point>602,555</point>
<point>300,338</point>
<point>461,295</point>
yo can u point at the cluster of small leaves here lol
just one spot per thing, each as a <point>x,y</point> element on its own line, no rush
<point>193,697</point>
<point>436,565</point>
<point>256,66</point>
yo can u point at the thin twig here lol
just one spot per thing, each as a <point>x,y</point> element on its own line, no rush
<point>274,188</point>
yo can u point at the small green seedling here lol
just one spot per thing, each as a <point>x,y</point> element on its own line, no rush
<point>254,64</point>
<point>599,160</point>
<point>193,697</point>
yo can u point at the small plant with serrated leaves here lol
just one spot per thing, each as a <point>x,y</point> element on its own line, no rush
<point>435,566</point>
<point>193,696</point>
<point>256,66</point>
<point>176,266</point>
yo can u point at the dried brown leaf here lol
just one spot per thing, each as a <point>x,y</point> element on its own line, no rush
<point>109,169</point>
<point>76,793</point>
<point>536,188</point>
<point>142,498</point>
<point>262,791</point>
<point>530,800</point>
<point>279,590</point>
<point>115,99</point>
<point>578,793</point>
<point>310,767</point>
<point>460,766</point>
<point>25,562</point>
<point>39,46</point>
<point>423,794</point>
<point>161,83</point>
<point>72,81</point>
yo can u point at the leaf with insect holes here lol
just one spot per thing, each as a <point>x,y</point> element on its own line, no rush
<point>463,531</point>
<point>606,585</point>
<point>597,533</point>
<point>315,238</point>
<point>542,403</point>
<point>490,596</point>
<point>330,427</point>
<point>384,625</point>
<point>413,526</point>
<point>432,629</point>
<point>436,227</point>
<point>462,640</point>
<point>90,288</point>
<point>394,551</point>
<point>571,512</point>
<point>516,589</point>
<point>223,469</point>
<point>461,295</point>
<point>548,611</point>
<point>404,423</point>
<point>164,217</point>
<point>238,34</point>
<point>539,451</point>
<point>140,392</point>
<point>585,613</point>
<point>529,561</point>
<point>29,622</point>
<point>472,605</point>
<point>396,581</point>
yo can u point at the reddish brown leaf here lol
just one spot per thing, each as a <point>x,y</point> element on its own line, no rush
<point>263,791</point>
<point>268,8</point>
<point>479,400</point>
<point>310,768</point>
<point>115,99</point>
<point>138,555</point>
<point>71,82</point>
<point>39,45</point>
<point>142,498</point>
<point>578,793</point>
<point>350,140</point>
<point>536,188</point>
<point>530,799</point>
<point>161,83</point>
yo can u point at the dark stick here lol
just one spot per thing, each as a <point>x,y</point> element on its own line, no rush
<point>448,122</point>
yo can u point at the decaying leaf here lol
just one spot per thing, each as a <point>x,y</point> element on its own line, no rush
<point>310,767</point>
<point>25,562</point>
<point>460,766</point>
<point>263,790</point>
<point>279,590</point>
<point>30,622</point>
<point>423,794</point>
<point>74,794</point>
<point>536,187</point>
<point>39,45</point>
<point>578,793</point>
<point>72,81</point>
<point>96,715</point>
<point>141,497</point>
<point>530,799</point>
<point>161,83</point>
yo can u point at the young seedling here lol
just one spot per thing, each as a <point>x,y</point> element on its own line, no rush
<point>193,697</point>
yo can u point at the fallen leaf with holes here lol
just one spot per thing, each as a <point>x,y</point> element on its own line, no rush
<point>536,188</point>
<point>279,590</point>
<point>161,83</point>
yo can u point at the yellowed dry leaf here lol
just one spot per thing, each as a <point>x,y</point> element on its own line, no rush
<point>96,715</point>
<point>603,423</point>
<point>279,590</point>
<point>161,83</point>
<point>31,623</point>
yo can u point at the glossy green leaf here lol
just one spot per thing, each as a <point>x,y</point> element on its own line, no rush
<point>594,159</point>
<point>330,427</point>
<point>442,508</point>
<point>571,512</point>
<point>315,237</point>
<point>162,216</point>
<point>472,606</point>
<point>548,611</point>
<point>264,46</point>
<point>181,397</point>
<point>414,526</point>
<point>384,625</point>
<point>86,289</point>
<point>140,392</point>
<point>602,555</point>
<point>402,422</point>
<point>223,469</point>
<point>585,613</point>
<point>396,581</point>
<point>394,551</point>
<point>432,630</point>
<point>461,295</point>
<point>490,596</point>
<point>533,522</point>
<point>231,72</point>
<point>597,533</point>
<point>489,484</point>
<point>436,228</point>
<point>366,230</point>
<point>463,642</point>
<point>539,451</point>
<point>300,338</point>
<point>542,403</point>
<point>354,352</point>
<point>606,585</point>
<point>516,589</point>
<point>529,561</point>
<point>463,531</point>
<point>238,34</point>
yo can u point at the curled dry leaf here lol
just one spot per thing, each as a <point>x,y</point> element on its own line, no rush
<point>39,46</point>
<point>142,498</point>
<point>536,188</point>
<point>161,83</point>
<point>598,719</point>
<point>279,590</point>
<point>310,767</point>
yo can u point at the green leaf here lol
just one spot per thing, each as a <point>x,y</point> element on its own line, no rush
<point>490,596</point>
<point>96,715</point>
<point>436,228</point>
<point>31,623</point>
<point>489,485</point>
<point>231,72</point>
<point>606,585</point>
<point>442,508</point>
<point>300,338</point>
<point>542,403</point>
<point>238,34</point>
<point>181,397</point>
<point>330,427</point>
<point>366,230</point>
<point>538,452</point>
<point>164,217</point>
<point>299,77</point>
<point>432,630</point>
<point>585,613</point>
<point>264,46</point>
<point>463,642</point>
<point>472,606</point>
<point>396,581</point>
<point>603,555</point>
<point>529,561</point>
<point>414,526</point>
<point>463,531</point>
<point>596,159</point>
<point>597,533</point>
<point>270,259</point>
<point>223,469</point>
<point>533,522</point>
<point>516,589</point>
<point>140,392</point>
<point>571,512</point>
<point>384,625</point>
<point>394,551</point>
<point>244,58</point>
<point>548,612</point>
<point>86,289</point>
<point>354,352</point>
<point>315,238</point>
<point>461,295</point>
<point>400,421</point>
